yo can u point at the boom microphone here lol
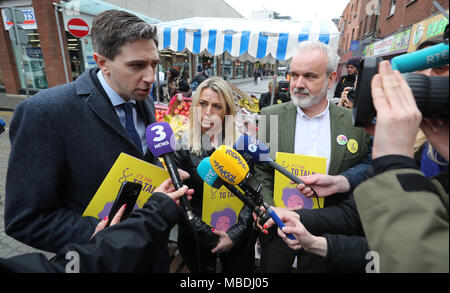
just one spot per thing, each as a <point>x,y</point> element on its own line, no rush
<point>433,56</point>
<point>232,168</point>
<point>252,149</point>
<point>161,142</point>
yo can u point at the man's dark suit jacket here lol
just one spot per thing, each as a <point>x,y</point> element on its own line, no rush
<point>64,140</point>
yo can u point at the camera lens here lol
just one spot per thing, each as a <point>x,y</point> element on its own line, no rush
<point>430,93</point>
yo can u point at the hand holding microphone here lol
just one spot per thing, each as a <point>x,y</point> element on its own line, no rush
<point>256,151</point>
<point>210,176</point>
<point>232,168</point>
<point>161,142</point>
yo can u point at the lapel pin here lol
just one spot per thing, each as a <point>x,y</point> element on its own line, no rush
<point>341,139</point>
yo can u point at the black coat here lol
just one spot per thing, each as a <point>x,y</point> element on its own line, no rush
<point>138,244</point>
<point>344,81</point>
<point>64,141</point>
<point>279,98</point>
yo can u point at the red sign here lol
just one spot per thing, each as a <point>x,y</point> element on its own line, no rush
<point>78,27</point>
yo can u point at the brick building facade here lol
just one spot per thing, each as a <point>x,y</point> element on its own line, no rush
<point>396,15</point>
<point>48,55</point>
<point>367,23</point>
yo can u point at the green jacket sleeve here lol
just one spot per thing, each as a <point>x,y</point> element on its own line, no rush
<point>405,220</point>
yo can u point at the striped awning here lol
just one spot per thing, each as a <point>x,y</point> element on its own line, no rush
<point>246,39</point>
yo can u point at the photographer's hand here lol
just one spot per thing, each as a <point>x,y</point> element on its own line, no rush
<point>398,117</point>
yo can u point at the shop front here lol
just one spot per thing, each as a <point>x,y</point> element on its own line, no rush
<point>390,46</point>
<point>428,28</point>
<point>26,46</point>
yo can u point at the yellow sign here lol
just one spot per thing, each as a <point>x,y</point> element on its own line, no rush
<point>221,208</point>
<point>286,194</point>
<point>126,168</point>
<point>428,28</point>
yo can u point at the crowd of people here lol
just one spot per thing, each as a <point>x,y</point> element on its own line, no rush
<point>64,141</point>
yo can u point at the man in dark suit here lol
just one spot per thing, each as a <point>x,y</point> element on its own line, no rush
<point>64,140</point>
<point>311,125</point>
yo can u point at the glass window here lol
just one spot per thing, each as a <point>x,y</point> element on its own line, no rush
<point>29,61</point>
<point>75,50</point>
<point>392,7</point>
<point>1,78</point>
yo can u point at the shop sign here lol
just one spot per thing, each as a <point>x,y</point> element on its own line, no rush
<point>354,46</point>
<point>390,45</point>
<point>430,27</point>
<point>28,24</point>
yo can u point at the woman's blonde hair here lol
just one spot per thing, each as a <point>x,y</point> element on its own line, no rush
<point>194,133</point>
<point>421,139</point>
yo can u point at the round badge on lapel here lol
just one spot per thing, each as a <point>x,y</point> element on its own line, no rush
<point>352,146</point>
<point>341,139</point>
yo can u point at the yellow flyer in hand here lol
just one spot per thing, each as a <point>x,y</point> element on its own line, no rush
<point>126,168</point>
<point>221,208</point>
<point>286,194</point>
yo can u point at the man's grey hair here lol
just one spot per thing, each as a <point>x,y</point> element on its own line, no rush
<point>333,57</point>
<point>112,29</point>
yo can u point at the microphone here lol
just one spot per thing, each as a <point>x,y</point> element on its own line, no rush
<point>210,176</point>
<point>2,125</point>
<point>161,142</point>
<point>254,150</point>
<point>433,56</point>
<point>232,168</point>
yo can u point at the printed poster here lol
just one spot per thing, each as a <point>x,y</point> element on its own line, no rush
<point>221,208</point>
<point>126,168</point>
<point>286,194</point>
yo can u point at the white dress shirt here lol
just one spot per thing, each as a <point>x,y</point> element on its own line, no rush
<point>117,101</point>
<point>313,135</point>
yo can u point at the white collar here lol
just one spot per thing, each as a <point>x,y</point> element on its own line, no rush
<point>302,114</point>
<point>116,100</point>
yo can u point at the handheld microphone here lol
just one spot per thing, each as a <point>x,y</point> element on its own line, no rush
<point>232,168</point>
<point>161,142</point>
<point>433,56</point>
<point>2,125</point>
<point>256,151</point>
<point>210,176</point>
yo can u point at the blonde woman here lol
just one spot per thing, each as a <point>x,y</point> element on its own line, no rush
<point>211,124</point>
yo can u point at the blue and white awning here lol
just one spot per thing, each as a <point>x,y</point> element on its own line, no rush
<point>247,39</point>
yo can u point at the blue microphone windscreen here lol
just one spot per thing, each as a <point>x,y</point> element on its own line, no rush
<point>206,172</point>
<point>433,56</point>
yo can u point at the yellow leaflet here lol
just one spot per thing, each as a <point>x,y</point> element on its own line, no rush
<point>221,208</point>
<point>286,194</point>
<point>126,168</point>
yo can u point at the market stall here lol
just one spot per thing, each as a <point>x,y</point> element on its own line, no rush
<point>266,41</point>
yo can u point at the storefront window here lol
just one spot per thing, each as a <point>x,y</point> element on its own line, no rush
<point>239,69</point>
<point>75,50</point>
<point>1,79</point>
<point>33,62</point>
